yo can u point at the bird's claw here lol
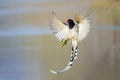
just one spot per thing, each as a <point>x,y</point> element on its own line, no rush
<point>63,42</point>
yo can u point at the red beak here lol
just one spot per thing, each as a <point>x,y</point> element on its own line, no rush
<point>67,21</point>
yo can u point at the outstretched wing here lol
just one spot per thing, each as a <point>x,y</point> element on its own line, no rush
<point>83,24</point>
<point>59,28</point>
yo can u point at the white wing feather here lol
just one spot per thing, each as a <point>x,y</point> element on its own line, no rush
<point>83,24</point>
<point>84,28</point>
<point>60,30</point>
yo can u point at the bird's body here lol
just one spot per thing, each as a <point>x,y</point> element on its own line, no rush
<point>70,31</point>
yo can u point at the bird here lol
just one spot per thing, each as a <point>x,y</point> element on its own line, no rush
<point>72,30</point>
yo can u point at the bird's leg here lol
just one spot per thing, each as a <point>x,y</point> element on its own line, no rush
<point>64,42</point>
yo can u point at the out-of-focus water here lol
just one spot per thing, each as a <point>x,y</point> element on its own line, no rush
<point>25,31</point>
<point>21,54</point>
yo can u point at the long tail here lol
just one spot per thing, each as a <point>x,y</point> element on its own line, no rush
<point>73,56</point>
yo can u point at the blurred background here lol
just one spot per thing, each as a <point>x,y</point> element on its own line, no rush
<point>28,49</point>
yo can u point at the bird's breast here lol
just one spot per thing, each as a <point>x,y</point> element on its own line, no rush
<point>72,33</point>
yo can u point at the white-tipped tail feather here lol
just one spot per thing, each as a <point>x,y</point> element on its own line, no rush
<point>61,71</point>
<point>73,56</point>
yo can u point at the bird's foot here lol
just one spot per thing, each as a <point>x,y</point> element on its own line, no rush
<point>64,42</point>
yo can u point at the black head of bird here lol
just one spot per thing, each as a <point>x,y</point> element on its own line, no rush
<point>71,23</point>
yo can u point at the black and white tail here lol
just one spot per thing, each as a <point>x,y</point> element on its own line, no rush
<point>73,56</point>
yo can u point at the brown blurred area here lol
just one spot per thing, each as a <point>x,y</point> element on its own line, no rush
<point>29,50</point>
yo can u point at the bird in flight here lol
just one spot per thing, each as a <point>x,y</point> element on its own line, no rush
<point>71,30</point>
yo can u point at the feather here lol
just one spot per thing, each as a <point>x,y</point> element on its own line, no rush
<point>59,28</point>
<point>83,24</point>
<point>73,57</point>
